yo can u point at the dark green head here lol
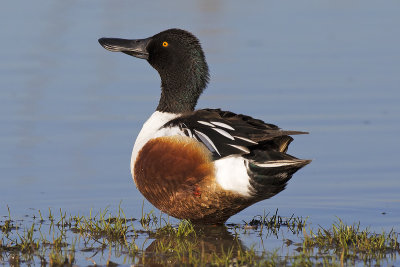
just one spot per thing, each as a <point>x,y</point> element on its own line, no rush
<point>179,59</point>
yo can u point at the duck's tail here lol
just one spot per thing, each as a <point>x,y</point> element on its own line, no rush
<point>269,171</point>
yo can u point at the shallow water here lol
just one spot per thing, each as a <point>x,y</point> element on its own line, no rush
<point>70,111</point>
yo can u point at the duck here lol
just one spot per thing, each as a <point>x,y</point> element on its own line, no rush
<point>202,165</point>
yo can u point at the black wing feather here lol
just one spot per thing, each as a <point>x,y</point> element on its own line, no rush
<point>225,133</point>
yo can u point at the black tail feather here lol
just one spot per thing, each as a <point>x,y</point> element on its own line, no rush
<point>269,171</point>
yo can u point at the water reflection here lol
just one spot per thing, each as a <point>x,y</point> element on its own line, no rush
<point>207,244</point>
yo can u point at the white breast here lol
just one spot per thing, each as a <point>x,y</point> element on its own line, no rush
<point>151,129</point>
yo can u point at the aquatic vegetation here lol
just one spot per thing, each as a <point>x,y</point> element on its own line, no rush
<point>273,223</point>
<point>57,239</point>
<point>351,242</point>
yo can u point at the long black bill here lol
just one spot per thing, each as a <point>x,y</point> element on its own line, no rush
<point>136,48</point>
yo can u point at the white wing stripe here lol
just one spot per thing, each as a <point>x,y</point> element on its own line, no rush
<point>223,125</point>
<point>245,139</point>
<point>243,148</point>
<point>207,139</point>
<point>277,163</point>
<point>206,123</point>
<point>188,132</point>
<point>227,135</point>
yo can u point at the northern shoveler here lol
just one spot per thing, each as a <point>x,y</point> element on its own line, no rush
<point>204,165</point>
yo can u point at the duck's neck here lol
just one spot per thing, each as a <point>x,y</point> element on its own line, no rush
<point>182,84</point>
<point>178,96</point>
<point>179,93</point>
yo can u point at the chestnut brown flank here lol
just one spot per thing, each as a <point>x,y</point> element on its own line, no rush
<point>176,174</point>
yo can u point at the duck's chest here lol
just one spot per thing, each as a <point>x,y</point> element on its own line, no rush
<point>177,175</point>
<point>151,129</point>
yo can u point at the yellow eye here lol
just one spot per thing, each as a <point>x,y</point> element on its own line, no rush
<point>165,44</point>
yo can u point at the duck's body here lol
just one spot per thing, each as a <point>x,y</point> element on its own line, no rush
<point>204,165</point>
